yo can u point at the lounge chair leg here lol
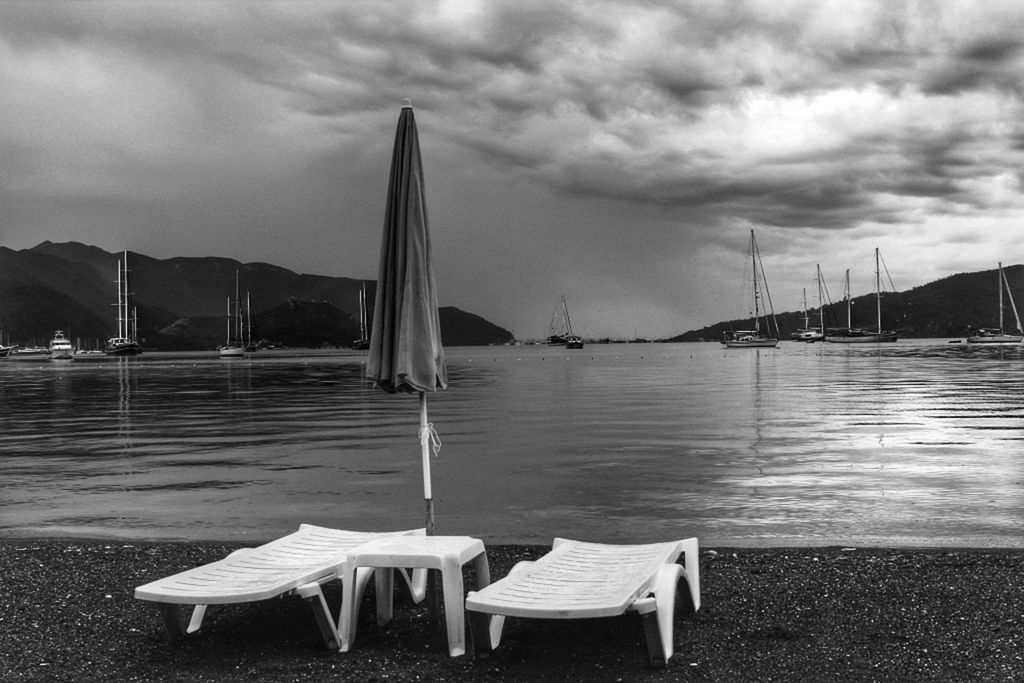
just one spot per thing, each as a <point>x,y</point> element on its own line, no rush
<point>485,630</point>
<point>313,594</point>
<point>658,613</point>
<point>385,583</point>
<point>174,620</point>
<point>691,560</point>
<point>197,618</point>
<point>354,581</point>
<point>454,605</point>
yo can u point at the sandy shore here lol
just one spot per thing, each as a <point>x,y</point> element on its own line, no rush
<point>827,614</point>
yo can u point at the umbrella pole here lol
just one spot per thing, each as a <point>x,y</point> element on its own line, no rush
<point>433,590</point>
<point>428,494</point>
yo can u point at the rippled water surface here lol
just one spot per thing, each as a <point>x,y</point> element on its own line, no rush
<point>913,443</point>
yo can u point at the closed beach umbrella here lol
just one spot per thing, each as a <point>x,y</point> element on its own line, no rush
<point>406,355</point>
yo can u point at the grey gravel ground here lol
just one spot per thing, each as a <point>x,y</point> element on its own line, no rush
<point>825,614</point>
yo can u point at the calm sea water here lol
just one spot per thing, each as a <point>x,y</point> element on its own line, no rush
<point>913,443</point>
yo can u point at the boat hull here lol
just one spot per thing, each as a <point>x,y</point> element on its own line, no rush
<point>231,351</point>
<point>751,344</point>
<point>29,354</point>
<point>863,339</point>
<point>996,339</point>
<point>60,347</point>
<point>807,336</point>
<point>123,348</point>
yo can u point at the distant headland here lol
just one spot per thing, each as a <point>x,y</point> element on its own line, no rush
<point>181,302</point>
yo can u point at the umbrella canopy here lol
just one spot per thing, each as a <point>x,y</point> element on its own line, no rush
<point>405,340</point>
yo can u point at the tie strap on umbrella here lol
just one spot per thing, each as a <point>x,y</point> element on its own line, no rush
<point>428,435</point>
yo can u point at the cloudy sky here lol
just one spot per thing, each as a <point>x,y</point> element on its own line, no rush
<point>615,153</point>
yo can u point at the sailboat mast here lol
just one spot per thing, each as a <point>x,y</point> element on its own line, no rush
<point>128,310</point>
<point>228,341</point>
<point>1000,298</point>
<point>821,304</point>
<point>120,303</point>
<point>248,319</point>
<point>362,312</point>
<point>238,310</point>
<point>568,323</point>
<point>1009,295</point>
<point>878,291</point>
<point>807,321</point>
<point>753,265</point>
<point>846,293</point>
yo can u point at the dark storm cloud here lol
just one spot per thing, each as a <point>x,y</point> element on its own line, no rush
<point>657,129</point>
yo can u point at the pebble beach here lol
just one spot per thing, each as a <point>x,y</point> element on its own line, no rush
<point>779,614</point>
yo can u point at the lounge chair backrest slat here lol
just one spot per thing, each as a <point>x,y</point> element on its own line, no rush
<point>587,579</point>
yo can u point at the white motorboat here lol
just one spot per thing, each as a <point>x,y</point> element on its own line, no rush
<point>60,347</point>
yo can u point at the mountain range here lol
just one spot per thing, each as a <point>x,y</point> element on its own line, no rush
<point>944,308</point>
<point>181,302</point>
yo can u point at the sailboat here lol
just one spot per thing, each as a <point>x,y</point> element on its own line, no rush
<point>856,335</point>
<point>738,339</point>
<point>991,335</point>
<point>126,343</point>
<point>6,349</point>
<point>363,343</point>
<point>561,329</point>
<point>807,333</point>
<point>234,346</point>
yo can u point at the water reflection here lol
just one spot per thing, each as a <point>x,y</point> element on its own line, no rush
<point>124,425</point>
<point>813,444</point>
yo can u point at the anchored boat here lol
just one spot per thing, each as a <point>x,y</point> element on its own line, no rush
<point>997,335</point>
<point>236,343</point>
<point>756,338</point>
<point>561,329</point>
<point>126,343</point>
<point>855,335</point>
<point>60,347</point>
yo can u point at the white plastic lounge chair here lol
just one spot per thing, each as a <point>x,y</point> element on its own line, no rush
<point>580,580</point>
<point>297,563</point>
